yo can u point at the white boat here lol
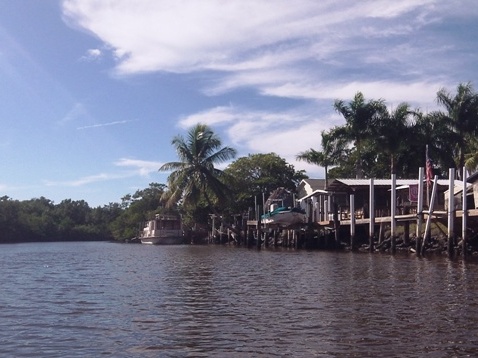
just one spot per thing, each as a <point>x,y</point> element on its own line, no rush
<point>162,230</point>
<point>284,216</point>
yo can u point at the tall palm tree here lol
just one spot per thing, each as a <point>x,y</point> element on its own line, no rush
<point>332,151</point>
<point>194,176</point>
<point>392,131</point>
<point>360,117</point>
<point>462,114</point>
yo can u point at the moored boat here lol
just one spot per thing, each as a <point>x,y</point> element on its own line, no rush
<point>284,216</point>
<point>163,230</point>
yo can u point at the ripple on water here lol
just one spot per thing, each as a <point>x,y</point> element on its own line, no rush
<point>92,299</point>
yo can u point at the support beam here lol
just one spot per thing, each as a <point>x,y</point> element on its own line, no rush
<point>372,215</point>
<point>352,221</point>
<point>393,209</point>
<point>451,209</point>
<point>419,211</point>
<point>465,214</point>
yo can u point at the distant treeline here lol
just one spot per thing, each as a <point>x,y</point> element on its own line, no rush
<point>40,219</point>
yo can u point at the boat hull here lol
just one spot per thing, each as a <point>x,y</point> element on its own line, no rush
<point>161,240</point>
<point>284,218</point>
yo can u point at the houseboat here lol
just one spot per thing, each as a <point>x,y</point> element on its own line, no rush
<point>162,230</point>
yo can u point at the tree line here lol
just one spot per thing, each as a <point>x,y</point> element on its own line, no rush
<point>374,142</point>
<point>40,219</point>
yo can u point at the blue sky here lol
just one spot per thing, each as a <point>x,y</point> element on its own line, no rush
<point>93,91</point>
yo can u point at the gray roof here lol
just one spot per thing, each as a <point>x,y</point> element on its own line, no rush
<point>349,184</point>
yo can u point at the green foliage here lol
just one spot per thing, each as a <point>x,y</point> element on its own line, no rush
<point>259,174</point>
<point>194,177</point>
<point>42,220</point>
<point>141,206</point>
<point>383,142</point>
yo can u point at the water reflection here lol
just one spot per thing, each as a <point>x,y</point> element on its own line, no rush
<point>91,299</point>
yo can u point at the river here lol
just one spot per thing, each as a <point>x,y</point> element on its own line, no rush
<point>92,299</point>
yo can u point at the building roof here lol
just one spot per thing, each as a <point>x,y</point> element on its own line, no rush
<point>347,185</point>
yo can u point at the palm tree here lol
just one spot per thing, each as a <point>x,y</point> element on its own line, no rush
<point>462,115</point>
<point>360,117</point>
<point>392,132</point>
<point>434,131</point>
<point>331,153</point>
<point>471,158</point>
<point>194,176</point>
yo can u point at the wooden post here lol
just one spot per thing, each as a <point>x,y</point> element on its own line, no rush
<point>213,232</point>
<point>326,210</point>
<point>221,228</point>
<point>336,224</point>
<point>451,209</point>
<point>419,212</point>
<point>430,213</point>
<point>393,212</point>
<point>352,221</point>
<point>464,217</point>
<point>258,227</point>
<point>406,227</point>
<point>372,216</point>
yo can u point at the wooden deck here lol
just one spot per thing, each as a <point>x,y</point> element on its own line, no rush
<point>443,215</point>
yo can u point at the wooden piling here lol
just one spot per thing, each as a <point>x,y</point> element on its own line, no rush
<point>430,213</point>
<point>393,209</point>
<point>336,225</point>
<point>372,216</point>
<point>258,227</point>
<point>419,212</point>
<point>465,214</point>
<point>451,210</point>
<point>352,221</point>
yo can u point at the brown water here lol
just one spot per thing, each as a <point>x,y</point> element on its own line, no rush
<point>106,299</point>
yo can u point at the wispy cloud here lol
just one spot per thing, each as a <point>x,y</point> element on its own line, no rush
<point>310,53</point>
<point>77,112</point>
<point>99,125</point>
<point>141,167</point>
<point>264,131</point>
<point>86,180</point>
<point>93,54</point>
<point>302,51</point>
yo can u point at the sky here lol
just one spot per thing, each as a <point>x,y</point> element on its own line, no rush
<point>93,91</point>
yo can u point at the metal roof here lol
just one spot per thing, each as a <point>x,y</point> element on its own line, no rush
<point>348,185</point>
<point>314,193</point>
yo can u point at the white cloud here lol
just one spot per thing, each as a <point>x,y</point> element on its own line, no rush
<point>114,123</point>
<point>312,52</point>
<point>299,51</point>
<point>93,54</point>
<point>285,133</point>
<point>188,35</point>
<point>217,115</point>
<point>81,181</point>
<point>141,167</point>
